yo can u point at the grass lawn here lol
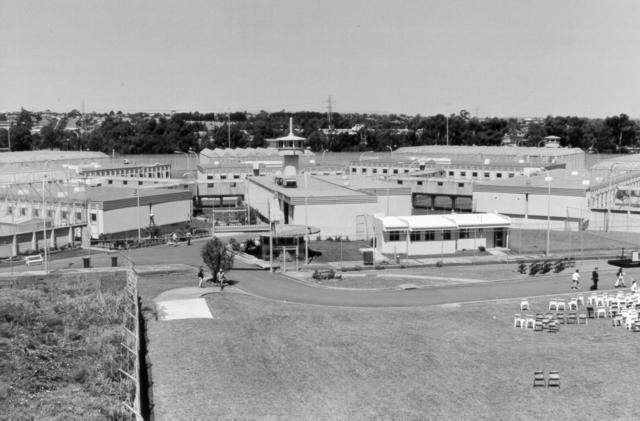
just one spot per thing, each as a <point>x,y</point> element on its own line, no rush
<point>572,243</point>
<point>60,354</point>
<point>261,359</point>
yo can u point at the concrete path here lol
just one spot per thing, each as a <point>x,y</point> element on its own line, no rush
<point>183,303</point>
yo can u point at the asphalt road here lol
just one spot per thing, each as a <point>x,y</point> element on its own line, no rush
<point>282,288</point>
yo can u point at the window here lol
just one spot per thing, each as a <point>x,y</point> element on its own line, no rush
<point>399,181</point>
<point>486,175</point>
<point>464,233</point>
<point>223,177</point>
<point>49,214</point>
<point>511,175</point>
<point>109,181</point>
<point>236,176</point>
<point>463,173</point>
<point>440,183</point>
<point>429,235</point>
<point>374,171</point>
<point>353,170</point>
<point>139,183</point>
<point>210,185</point>
<point>460,185</point>
<point>10,210</point>
<point>499,175</point>
<point>209,177</point>
<point>394,235</point>
<point>94,217</point>
<point>35,212</point>
<point>450,173</point>
<point>125,182</point>
<point>419,183</point>
<point>78,216</point>
<point>406,171</point>
<point>395,171</point>
<point>415,235</point>
<point>364,171</point>
<point>474,174</point>
<point>232,184</point>
<point>384,171</point>
<point>63,215</point>
<point>446,235</point>
<point>23,211</point>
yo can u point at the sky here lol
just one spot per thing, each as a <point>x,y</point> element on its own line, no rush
<point>502,58</point>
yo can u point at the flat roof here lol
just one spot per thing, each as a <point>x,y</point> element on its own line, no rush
<point>561,178</point>
<point>488,150</point>
<point>445,221</point>
<point>313,186</point>
<point>47,155</point>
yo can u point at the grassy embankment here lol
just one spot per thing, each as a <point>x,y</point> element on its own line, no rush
<point>60,353</point>
<point>262,359</point>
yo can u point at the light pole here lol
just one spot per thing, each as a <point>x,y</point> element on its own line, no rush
<point>548,179</point>
<point>611,196</point>
<point>44,225</point>
<point>138,211</point>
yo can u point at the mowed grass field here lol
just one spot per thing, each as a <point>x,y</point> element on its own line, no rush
<point>261,359</point>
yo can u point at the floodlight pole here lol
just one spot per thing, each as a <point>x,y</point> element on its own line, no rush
<point>270,238</point>
<point>138,212</point>
<point>548,179</point>
<point>44,226</point>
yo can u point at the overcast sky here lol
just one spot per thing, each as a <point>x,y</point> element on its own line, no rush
<point>491,57</point>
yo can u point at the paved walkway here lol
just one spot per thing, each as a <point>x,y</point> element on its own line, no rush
<point>184,303</point>
<point>282,288</point>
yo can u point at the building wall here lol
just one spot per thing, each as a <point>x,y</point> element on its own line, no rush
<point>129,218</point>
<point>529,204</point>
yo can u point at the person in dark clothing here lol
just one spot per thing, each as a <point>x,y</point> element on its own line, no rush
<point>595,279</point>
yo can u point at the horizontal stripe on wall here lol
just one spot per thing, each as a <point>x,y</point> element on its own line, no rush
<point>132,202</point>
<point>555,191</point>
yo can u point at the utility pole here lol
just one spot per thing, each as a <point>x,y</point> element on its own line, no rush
<point>329,104</point>
<point>229,128</point>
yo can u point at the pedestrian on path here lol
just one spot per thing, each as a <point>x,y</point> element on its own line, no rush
<point>575,279</point>
<point>221,278</point>
<point>620,279</point>
<point>634,287</point>
<point>200,277</point>
<point>594,279</point>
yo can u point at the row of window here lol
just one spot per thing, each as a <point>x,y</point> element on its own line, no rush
<point>474,174</point>
<point>427,235</point>
<point>128,173</point>
<point>354,170</point>
<point>223,176</point>
<point>210,185</point>
<point>36,213</point>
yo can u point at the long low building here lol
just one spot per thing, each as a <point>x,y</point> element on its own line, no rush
<point>424,235</point>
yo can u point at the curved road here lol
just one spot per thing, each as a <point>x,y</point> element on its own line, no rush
<point>277,287</point>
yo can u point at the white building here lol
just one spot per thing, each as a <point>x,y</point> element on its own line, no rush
<point>423,235</point>
<point>337,205</point>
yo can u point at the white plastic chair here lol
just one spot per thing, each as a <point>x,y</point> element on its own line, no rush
<point>553,304</point>
<point>524,305</point>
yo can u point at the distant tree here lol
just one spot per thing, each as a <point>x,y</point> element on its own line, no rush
<point>215,255</point>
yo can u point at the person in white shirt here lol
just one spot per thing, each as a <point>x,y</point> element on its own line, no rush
<point>575,278</point>
<point>634,286</point>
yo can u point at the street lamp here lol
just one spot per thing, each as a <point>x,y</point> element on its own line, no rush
<point>548,179</point>
<point>138,211</point>
<point>44,225</point>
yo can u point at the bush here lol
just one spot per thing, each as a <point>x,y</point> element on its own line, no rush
<point>439,263</point>
<point>482,249</point>
<point>522,267</point>
<point>379,267</point>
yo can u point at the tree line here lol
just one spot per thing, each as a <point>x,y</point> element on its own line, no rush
<point>158,134</point>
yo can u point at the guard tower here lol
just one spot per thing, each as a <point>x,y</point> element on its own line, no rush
<point>290,147</point>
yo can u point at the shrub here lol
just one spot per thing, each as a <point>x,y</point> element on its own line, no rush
<point>318,238</point>
<point>379,267</point>
<point>482,249</point>
<point>439,263</point>
<point>357,268</point>
<point>522,267</point>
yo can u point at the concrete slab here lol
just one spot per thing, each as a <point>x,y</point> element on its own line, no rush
<point>194,308</point>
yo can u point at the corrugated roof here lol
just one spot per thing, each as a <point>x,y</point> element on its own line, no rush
<point>488,150</point>
<point>46,155</point>
<point>478,219</point>
<point>448,221</point>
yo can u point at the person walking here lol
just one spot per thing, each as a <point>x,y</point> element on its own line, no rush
<point>634,287</point>
<point>620,279</point>
<point>200,277</point>
<point>221,278</point>
<point>594,279</point>
<point>575,280</point>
